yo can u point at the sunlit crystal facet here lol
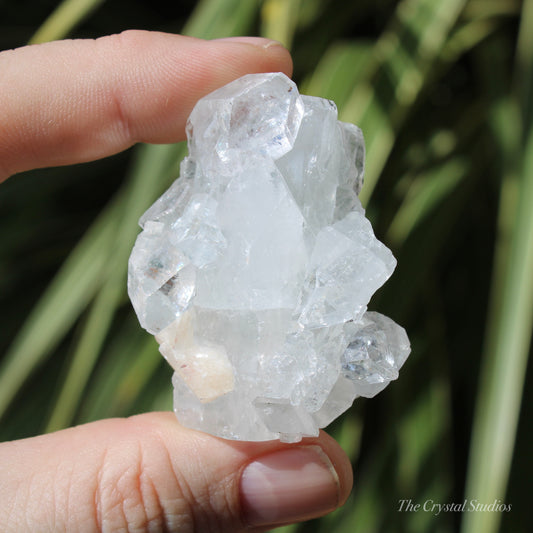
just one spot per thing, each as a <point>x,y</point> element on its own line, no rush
<point>255,268</point>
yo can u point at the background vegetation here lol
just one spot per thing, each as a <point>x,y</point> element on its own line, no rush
<point>443,93</point>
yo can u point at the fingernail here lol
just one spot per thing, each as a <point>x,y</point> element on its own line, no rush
<point>291,485</point>
<point>255,41</point>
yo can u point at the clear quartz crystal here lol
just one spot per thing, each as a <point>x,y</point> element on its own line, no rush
<point>255,268</point>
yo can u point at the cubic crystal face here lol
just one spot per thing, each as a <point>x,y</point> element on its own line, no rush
<point>255,268</point>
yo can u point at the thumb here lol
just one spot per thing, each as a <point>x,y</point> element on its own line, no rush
<point>147,473</point>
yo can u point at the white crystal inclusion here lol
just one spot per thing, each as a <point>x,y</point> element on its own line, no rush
<point>255,268</point>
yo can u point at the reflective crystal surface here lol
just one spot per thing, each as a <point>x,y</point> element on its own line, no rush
<point>255,268</point>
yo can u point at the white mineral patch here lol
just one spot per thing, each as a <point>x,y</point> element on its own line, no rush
<point>255,268</point>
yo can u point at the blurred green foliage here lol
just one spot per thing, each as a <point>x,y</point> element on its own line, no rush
<point>443,93</point>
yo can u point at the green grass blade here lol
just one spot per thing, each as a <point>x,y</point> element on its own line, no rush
<point>293,528</point>
<point>279,19</point>
<point>125,366</point>
<point>338,71</point>
<point>400,66</point>
<point>510,322</point>
<point>85,356</point>
<point>503,372</point>
<point>65,17</point>
<point>477,9</point>
<point>467,37</point>
<point>524,74</point>
<point>213,19</point>
<point>137,376</point>
<point>420,431</point>
<point>60,306</point>
<point>427,191</point>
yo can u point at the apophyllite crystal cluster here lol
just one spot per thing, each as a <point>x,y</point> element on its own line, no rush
<point>254,269</point>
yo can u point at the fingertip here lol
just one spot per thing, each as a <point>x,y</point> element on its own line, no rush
<point>295,483</point>
<point>341,462</point>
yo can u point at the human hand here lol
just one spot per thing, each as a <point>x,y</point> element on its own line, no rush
<point>74,101</point>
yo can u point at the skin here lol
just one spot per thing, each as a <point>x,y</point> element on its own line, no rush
<point>74,101</point>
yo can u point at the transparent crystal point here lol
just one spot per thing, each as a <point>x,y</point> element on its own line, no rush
<point>377,348</point>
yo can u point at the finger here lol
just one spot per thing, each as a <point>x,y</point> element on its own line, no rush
<point>147,473</point>
<point>73,101</point>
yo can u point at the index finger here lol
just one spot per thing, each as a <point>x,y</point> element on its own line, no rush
<point>73,101</point>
